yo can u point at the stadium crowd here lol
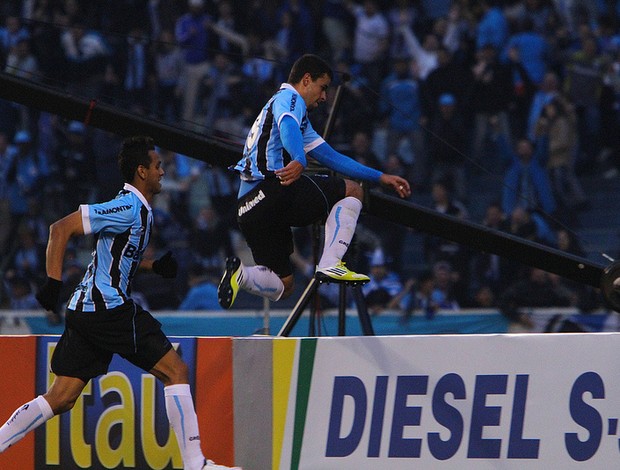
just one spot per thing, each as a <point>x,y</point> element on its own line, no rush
<point>438,91</point>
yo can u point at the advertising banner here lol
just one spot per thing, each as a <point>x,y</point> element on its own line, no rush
<point>453,402</point>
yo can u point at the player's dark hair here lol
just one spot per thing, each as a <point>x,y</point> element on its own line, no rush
<point>134,152</point>
<point>312,64</point>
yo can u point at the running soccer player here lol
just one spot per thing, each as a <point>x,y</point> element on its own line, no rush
<point>101,319</point>
<point>275,195</point>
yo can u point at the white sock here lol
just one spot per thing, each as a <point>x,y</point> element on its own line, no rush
<point>182,416</point>
<point>25,418</point>
<point>339,230</point>
<point>260,280</point>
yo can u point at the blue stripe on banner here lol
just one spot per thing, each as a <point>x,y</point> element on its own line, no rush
<point>181,324</point>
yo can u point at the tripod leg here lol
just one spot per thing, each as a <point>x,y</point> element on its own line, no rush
<point>342,310</point>
<point>290,322</point>
<point>362,312</point>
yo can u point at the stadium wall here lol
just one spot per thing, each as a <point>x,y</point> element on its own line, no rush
<point>526,401</point>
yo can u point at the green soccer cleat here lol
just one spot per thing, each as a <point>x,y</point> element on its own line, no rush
<point>340,273</point>
<point>229,285</point>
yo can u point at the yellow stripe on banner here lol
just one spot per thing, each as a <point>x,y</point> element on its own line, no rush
<point>283,361</point>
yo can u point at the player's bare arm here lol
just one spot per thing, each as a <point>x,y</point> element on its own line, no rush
<point>60,233</point>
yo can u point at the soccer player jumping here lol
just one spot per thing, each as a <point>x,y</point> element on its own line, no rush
<point>275,194</point>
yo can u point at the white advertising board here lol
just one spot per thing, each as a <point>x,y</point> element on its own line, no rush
<point>457,402</point>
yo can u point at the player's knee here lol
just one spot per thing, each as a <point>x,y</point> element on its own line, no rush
<point>353,189</point>
<point>61,404</point>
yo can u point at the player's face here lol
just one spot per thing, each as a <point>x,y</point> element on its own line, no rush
<point>315,91</point>
<point>155,172</point>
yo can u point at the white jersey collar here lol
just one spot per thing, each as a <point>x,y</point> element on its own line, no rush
<point>133,189</point>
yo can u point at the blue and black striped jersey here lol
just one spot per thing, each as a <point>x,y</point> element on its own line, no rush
<point>122,228</point>
<point>263,152</point>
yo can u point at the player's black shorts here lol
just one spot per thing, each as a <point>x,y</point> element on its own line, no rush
<point>90,339</point>
<point>267,213</point>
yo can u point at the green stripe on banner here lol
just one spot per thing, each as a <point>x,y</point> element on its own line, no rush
<point>307,350</point>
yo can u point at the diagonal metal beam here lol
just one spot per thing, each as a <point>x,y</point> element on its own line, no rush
<point>484,239</point>
<point>218,153</point>
<point>116,120</point>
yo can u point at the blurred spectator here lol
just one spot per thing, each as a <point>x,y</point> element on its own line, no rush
<point>361,150</point>
<point>400,106</point>
<point>446,147</point>
<point>76,162</point>
<point>584,85</point>
<point>559,123</point>
<point>490,269</point>
<point>301,33</point>
<point>202,294</point>
<point>28,255</point>
<point>10,34</point>
<point>445,291</point>
<point>168,68</point>
<point>223,188</point>
<point>449,77</point>
<point>22,176</point>
<point>609,156</point>
<point>356,112</point>
<point>175,185</point>
<point>531,225</point>
<point>218,90</point>
<point>260,67</point>
<point>210,239</point>
<point>226,20</point>
<point>536,291</point>
<point>383,289</point>
<point>458,28</point>
<point>439,249</point>
<point>490,98</point>
<point>20,293</point>
<point>370,40</point>
<point>86,55</point>
<point>424,55</point>
<point>526,55</point>
<point>435,9</point>
<point>526,181</point>
<point>422,298</point>
<point>549,89</point>
<point>133,70</point>
<point>335,28</point>
<point>493,27</point>
<point>484,297</point>
<point>403,13</point>
<point>108,177</point>
<point>191,31</point>
<point>23,64</point>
